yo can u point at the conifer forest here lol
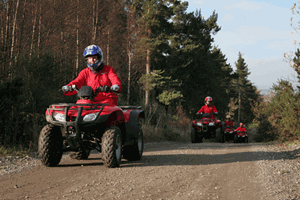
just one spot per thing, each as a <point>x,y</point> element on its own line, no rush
<point>165,56</point>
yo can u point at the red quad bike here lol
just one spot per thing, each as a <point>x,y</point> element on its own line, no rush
<point>240,136</point>
<point>229,133</point>
<point>205,128</point>
<point>114,131</point>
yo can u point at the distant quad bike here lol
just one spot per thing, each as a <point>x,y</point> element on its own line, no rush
<point>229,133</point>
<point>205,128</point>
<point>114,131</point>
<point>240,137</point>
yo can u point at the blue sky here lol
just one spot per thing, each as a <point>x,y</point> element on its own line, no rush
<point>260,30</point>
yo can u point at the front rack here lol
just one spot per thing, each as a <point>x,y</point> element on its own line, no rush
<point>68,106</point>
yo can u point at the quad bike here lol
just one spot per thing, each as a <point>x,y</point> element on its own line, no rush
<point>205,128</point>
<point>240,136</point>
<point>114,131</point>
<point>229,133</point>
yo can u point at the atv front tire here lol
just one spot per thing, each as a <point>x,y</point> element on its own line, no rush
<point>134,152</point>
<point>195,138</point>
<point>50,145</point>
<point>112,147</point>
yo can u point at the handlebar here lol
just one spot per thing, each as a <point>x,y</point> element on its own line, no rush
<point>105,89</point>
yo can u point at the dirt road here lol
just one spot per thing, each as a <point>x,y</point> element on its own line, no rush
<point>166,171</point>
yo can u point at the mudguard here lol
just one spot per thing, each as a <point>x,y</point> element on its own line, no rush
<point>132,117</point>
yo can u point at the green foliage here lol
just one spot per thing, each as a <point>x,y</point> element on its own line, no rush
<point>166,97</point>
<point>165,84</point>
<point>279,118</point>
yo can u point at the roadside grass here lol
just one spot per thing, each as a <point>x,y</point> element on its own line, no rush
<point>13,150</point>
<point>168,133</point>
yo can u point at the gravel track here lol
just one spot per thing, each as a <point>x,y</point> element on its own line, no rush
<point>168,170</point>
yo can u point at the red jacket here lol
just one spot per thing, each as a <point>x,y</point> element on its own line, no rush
<point>241,129</point>
<point>106,76</point>
<point>208,109</point>
<point>228,123</point>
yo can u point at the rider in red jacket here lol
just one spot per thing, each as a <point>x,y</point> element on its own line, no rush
<point>95,75</point>
<point>228,121</point>
<point>241,128</point>
<point>208,108</point>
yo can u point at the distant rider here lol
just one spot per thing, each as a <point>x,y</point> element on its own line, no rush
<point>208,108</point>
<point>95,75</point>
<point>228,121</point>
<point>241,128</point>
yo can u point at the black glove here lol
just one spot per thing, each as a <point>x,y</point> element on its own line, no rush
<point>105,88</point>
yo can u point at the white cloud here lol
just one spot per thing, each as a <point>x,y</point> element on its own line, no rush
<point>245,5</point>
<point>228,17</point>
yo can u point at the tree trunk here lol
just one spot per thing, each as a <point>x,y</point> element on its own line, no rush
<point>77,41</point>
<point>148,73</point>
<point>33,34</point>
<point>239,111</point>
<point>95,20</point>
<point>129,74</point>
<point>39,33</point>
<point>107,48</point>
<point>5,44</point>
<point>13,38</point>
<point>21,39</point>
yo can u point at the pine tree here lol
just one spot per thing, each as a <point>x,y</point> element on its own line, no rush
<point>245,92</point>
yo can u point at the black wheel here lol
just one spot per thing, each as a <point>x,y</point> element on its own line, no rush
<point>193,136</point>
<point>81,154</point>
<point>246,140</point>
<point>235,138</point>
<point>112,147</point>
<point>135,152</point>
<point>50,145</point>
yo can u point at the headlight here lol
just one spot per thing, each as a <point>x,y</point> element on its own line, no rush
<point>198,124</point>
<point>59,117</point>
<point>90,117</point>
<point>211,123</point>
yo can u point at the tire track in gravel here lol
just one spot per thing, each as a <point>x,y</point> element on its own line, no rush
<point>168,170</point>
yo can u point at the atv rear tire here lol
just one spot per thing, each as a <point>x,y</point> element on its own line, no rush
<point>112,147</point>
<point>50,145</point>
<point>134,152</point>
<point>235,138</point>
<point>81,154</point>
